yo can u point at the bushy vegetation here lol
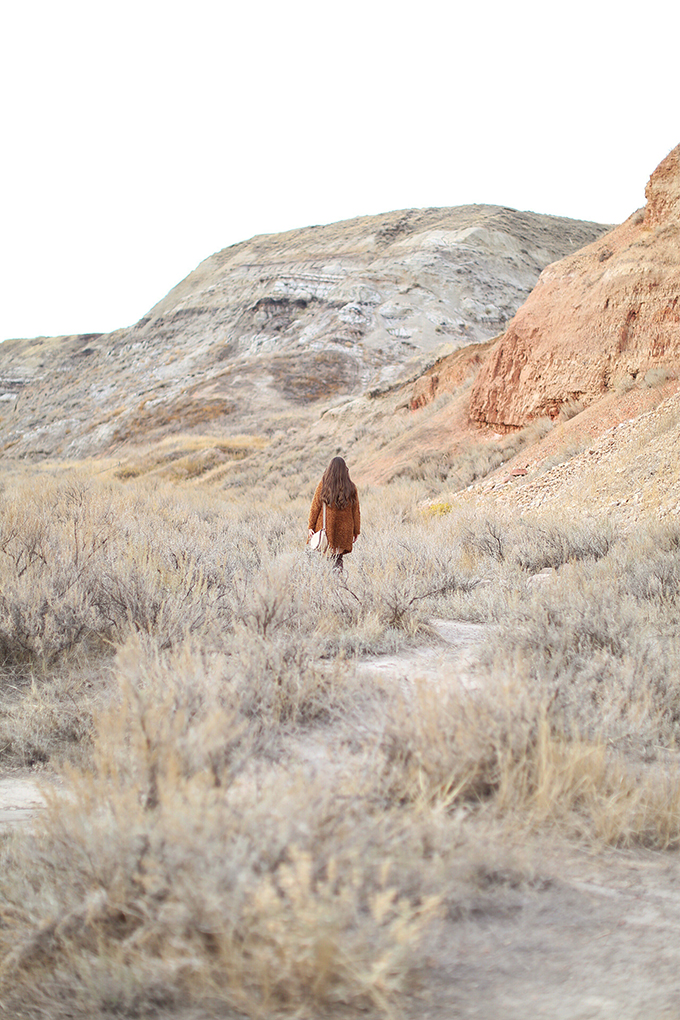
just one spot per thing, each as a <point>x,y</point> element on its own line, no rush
<point>245,818</point>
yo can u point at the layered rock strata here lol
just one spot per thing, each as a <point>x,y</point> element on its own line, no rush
<point>268,327</point>
<point>597,320</point>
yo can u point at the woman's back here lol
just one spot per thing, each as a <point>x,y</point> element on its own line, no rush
<point>343,516</point>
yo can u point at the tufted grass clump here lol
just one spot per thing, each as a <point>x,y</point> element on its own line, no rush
<point>507,753</point>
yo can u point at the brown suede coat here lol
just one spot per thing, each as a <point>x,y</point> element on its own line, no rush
<point>342,526</point>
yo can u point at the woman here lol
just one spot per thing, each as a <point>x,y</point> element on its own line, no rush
<point>343,518</point>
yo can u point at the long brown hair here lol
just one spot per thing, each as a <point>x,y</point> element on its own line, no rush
<point>337,488</point>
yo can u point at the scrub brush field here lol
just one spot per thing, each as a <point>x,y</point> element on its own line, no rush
<point>241,819</point>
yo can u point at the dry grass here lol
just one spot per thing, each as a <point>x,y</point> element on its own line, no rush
<point>598,636</point>
<point>190,873</point>
<point>87,565</point>
<point>187,457</point>
<point>504,751</point>
<point>189,657</point>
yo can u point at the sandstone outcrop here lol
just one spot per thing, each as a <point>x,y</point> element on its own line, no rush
<point>277,324</point>
<point>597,320</point>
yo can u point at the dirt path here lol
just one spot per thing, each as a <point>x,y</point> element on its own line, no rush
<point>596,938</point>
<point>20,798</point>
<point>454,655</point>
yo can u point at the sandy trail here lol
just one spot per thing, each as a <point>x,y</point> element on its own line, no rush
<point>596,938</point>
<point>454,656</point>
<point>20,798</point>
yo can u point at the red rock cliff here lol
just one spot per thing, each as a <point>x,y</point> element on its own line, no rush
<point>608,312</point>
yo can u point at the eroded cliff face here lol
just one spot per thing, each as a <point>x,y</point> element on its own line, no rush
<point>597,319</point>
<point>264,330</point>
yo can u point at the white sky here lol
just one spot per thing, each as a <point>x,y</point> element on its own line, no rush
<point>140,136</point>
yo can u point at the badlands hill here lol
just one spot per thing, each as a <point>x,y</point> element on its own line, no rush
<point>379,338</point>
<point>597,319</point>
<point>264,331</point>
<point>588,358</point>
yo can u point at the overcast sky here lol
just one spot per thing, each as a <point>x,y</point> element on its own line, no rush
<point>140,136</point>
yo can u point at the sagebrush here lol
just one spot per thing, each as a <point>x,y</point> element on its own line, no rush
<point>247,820</point>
